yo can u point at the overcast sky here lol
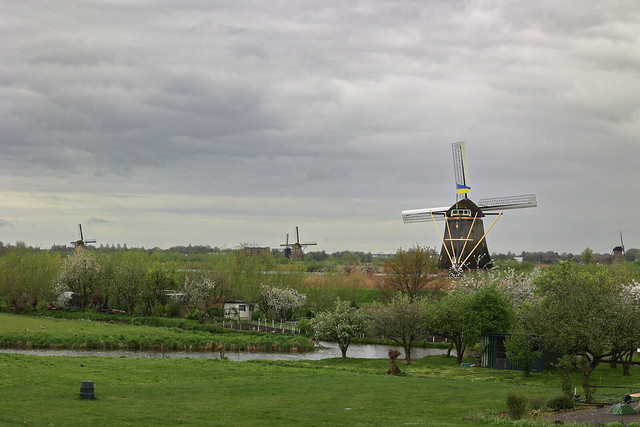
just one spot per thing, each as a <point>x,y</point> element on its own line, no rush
<point>157,123</point>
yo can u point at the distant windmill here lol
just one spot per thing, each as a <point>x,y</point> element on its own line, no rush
<point>617,254</point>
<point>463,244</point>
<point>79,244</point>
<point>295,251</point>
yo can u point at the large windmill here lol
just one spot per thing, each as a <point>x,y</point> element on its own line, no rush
<point>79,244</point>
<point>617,254</point>
<point>295,251</point>
<point>464,243</point>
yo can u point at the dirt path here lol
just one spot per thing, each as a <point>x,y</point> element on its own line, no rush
<point>599,415</point>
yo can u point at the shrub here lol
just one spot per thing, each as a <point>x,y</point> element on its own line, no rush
<point>304,325</point>
<point>566,367</point>
<point>614,424</point>
<point>195,314</point>
<point>517,405</point>
<point>634,424</point>
<point>173,309</point>
<point>214,312</point>
<point>536,403</point>
<point>560,403</point>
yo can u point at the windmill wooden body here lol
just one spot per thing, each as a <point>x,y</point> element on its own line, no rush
<point>617,254</point>
<point>295,251</point>
<point>464,244</point>
<point>79,244</point>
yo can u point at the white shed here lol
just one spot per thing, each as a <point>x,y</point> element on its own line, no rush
<point>238,309</point>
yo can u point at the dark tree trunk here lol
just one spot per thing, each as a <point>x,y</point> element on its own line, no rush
<point>587,367</point>
<point>449,350</point>
<point>343,347</point>
<point>627,360</point>
<point>406,345</point>
<point>613,362</point>
<point>459,349</point>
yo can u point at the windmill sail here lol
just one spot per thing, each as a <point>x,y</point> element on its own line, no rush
<point>82,236</point>
<point>460,164</point>
<point>424,215</point>
<point>508,202</point>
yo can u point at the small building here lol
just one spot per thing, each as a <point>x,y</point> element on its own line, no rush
<point>494,355</point>
<point>238,310</point>
<point>257,250</point>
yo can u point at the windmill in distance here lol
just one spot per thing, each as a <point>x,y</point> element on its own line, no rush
<point>79,244</point>
<point>617,254</point>
<point>464,243</point>
<point>295,251</point>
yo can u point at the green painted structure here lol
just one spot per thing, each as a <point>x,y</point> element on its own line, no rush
<point>494,355</point>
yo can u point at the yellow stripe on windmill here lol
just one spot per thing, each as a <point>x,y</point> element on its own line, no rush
<point>464,243</point>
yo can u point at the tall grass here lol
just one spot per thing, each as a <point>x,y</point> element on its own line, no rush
<point>355,280</point>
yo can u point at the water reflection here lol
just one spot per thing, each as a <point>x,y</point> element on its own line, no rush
<point>324,350</point>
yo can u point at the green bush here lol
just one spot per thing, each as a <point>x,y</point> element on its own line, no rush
<point>173,309</point>
<point>614,424</point>
<point>517,405</point>
<point>304,325</point>
<point>633,424</point>
<point>195,314</point>
<point>214,312</point>
<point>560,403</point>
<point>536,403</point>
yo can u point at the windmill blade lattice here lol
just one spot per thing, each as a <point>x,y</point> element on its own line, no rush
<point>460,163</point>
<point>508,202</point>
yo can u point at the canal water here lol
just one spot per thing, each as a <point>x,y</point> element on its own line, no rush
<point>324,350</point>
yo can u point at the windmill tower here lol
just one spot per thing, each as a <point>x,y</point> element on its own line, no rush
<point>617,254</point>
<point>79,244</point>
<point>295,251</point>
<point>464,243</point>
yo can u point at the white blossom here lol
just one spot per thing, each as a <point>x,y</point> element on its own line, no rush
<point>199,290</point>
<point>282,300</point>
<point>519,286</point>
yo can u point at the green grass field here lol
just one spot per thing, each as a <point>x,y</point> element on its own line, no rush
<point>19,331</point>
<point>39,390</point>
<point>44,390</point>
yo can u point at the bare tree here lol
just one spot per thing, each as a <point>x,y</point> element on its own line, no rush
<point>411,271</point>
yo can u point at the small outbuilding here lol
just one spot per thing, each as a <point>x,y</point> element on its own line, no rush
<point>494,355</point>
<point>238,310</point>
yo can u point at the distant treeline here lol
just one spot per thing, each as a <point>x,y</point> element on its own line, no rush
<point>551,257</point>
<point>342,257</point>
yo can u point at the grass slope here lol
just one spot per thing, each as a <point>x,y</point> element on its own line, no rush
<point>19,331</point>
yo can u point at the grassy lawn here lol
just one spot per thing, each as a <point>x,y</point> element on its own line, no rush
<point>21,331</point>
<point>130,391</point>
<point>44,391</point>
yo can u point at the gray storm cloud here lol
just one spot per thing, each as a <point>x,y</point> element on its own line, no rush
<point>226,122</point>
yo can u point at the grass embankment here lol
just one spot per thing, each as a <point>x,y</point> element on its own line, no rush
<point>435,391</point>
<point>19,331</point>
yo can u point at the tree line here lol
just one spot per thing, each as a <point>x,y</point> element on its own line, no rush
<point>587,312</point>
